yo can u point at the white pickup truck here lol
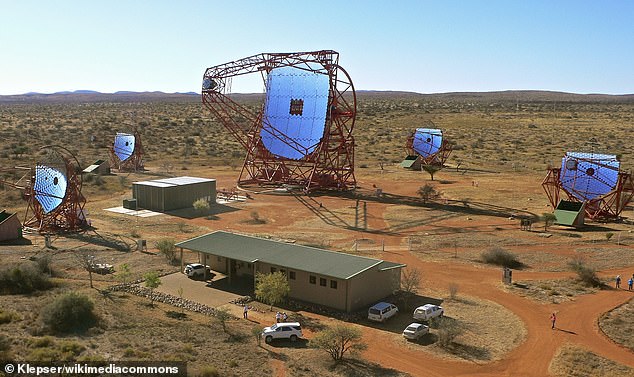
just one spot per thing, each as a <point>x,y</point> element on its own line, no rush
<point>427,312</point>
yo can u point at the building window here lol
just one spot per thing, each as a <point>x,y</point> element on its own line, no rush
<point>273,269</point>
<point>291,275</point>
<point>219,259</point>
<point>312,279</point>
<point>322,282</point>
<point>333,284</point>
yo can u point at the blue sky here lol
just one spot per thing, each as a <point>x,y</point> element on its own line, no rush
<point>421,46</point>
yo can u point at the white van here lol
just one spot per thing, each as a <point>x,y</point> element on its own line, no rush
<point>382,311</point>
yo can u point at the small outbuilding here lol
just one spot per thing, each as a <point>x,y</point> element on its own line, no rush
<point>332,279</point>
<point>170,194</point>
<point>101,167</point>
<point>10,226</point>
<point>412,162</point>
<point>570,213</point>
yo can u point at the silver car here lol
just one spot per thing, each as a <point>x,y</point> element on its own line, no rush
<point>415,330</point>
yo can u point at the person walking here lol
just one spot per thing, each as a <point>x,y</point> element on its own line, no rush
<point>245,312</point>
<point>278,317</point>
<point>630,283</point>
<point>553,319</point>
<point>618,281</point>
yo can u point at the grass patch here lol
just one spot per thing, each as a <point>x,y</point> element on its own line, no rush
<point>551,291</point>
<point>577,362</point>
<point>618,325</point>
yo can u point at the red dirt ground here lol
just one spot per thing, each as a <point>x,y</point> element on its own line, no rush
<point>576,320</point>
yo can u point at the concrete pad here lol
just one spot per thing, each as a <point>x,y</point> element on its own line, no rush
<point>195,290</point>
<point>131,212</point>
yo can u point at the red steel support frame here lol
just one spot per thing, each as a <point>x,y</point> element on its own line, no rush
<point>330,166</point>
<point>69,216</point>
<point>134,162</point>
<point>605,207</point>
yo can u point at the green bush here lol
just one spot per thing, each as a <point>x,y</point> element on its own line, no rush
<point>501,257</point>
<point>72,312</point>
<point>25,278</point>
<point>167,248</point>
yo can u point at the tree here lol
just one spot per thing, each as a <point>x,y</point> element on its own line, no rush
<point>124,273</point>
<point>256,331</point>
<point>271,288</point>
<point>448,331</point>
<point>338,340</point>
<point>410,284</point>
<point>87,262</point>
<point>222,315</point>
<point>548,219</point>
<point>167,248</point>
<point>152,281</point>
<point>431,169</point>
<point>427,193</point>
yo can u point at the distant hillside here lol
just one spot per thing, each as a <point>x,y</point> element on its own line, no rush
<point>476,97</point>
<point>93,96</point>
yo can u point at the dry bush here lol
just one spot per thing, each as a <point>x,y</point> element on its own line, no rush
<point>586,274</point>
<point>501,257</point>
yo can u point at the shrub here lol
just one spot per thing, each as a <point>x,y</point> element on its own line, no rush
<point>453,291</point>
<point>501,257</point>
<point>167,248</point>
<point>24,278</point>
<point>5,347</point>
<point>201,205</point>
<point>71,312</point>
<point>448,331</point>
<point>8,317</point>
<point>586,274</point>
<point>209,371</point>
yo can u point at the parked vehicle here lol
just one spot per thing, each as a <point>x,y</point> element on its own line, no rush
<point>382,311</point>
<point>101,268</point>
<point>196,269</point>
<point>427,312</point>
<point>282,330</point>
<point>415,330</point>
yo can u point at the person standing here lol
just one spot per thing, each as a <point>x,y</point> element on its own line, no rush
<point>553,319</point>
<point>618,281</point>
<point>278,317</point>
<point>630,283</point>
<point>245,312</point>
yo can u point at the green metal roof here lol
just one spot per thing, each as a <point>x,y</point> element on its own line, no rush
<point>251,249</point>
<point>409,161</point>
<point>570,213</point>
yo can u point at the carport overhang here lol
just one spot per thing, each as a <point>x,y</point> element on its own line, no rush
<point>205,254</point>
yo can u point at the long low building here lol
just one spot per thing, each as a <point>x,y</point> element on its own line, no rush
<point>333,279</point>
